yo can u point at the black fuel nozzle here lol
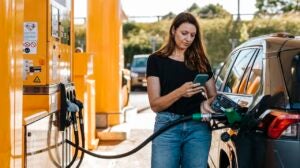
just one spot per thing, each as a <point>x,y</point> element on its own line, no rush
<point>78,103</point>
<point>63,121</point>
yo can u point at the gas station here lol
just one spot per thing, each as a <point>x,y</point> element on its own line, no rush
<point>53,98</point>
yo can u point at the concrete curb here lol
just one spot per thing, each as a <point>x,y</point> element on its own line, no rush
<point>140,110</point>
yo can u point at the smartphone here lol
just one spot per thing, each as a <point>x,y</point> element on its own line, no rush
<point>201,78</point>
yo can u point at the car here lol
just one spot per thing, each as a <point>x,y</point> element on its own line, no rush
<point>263,76</point>
<point>138,71</point>
<point>125,89</point>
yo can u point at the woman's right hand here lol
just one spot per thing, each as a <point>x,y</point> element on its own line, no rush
<point>189,89</point>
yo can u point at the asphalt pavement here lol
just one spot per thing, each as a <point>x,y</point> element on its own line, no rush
<point>141,128</point>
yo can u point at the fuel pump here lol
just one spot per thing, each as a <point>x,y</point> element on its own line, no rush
<point>47,83</point>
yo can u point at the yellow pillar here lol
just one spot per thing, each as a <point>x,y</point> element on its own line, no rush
<point>104,41</point>
<point>85,91</point>
<point>11,136</point>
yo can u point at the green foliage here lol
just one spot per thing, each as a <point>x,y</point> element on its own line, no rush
<point>130,27</point>
<point>80,36</point>
<point>209,11</point>
<point>216,39</point>
<point>213,11</point>
<point>137,43</point>
<point>244,35</point>
<point>195,9</point>
<point>219,34</point>
<point>276,6</point>
<point>284,23</point>
<point>168,16</point>
<point>138,37</point>
<point>144,38</point>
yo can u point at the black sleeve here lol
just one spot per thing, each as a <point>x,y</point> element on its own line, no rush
<point>152,66</point>
<point>209,72</point>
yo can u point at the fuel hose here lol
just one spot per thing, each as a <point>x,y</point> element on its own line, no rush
<point>195,117</point>
<point>81,124</point>
<point>75,129</point>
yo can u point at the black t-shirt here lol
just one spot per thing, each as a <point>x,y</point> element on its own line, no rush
<point>172,74</point>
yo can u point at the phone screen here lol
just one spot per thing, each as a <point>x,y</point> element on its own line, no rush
<point>201,78</point>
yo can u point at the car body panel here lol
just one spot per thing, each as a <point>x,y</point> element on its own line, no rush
<point>252,147</point>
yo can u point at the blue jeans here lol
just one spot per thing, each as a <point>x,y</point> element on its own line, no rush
<point>185,145</point>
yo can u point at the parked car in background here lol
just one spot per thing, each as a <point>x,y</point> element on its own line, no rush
<point>262,75</point>
<point>126,86</point>
<point>138,71</point>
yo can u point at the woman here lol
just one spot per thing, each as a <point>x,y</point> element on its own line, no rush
<point>172,94</point>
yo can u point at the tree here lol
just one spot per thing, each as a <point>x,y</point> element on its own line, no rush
<point>285,23</point>
<point>170,15</point>
<point>216,35</point>
<point>130,27</point>
<point>213,11</point>
<point>209,11</point>
<point>139,37</point>
<point>276,6</point>
<point>80,36</point>
<point>194,9</point>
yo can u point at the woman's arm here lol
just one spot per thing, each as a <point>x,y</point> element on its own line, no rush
<point>211,88</point>
<point>211,92</point>
<point>160,103</point>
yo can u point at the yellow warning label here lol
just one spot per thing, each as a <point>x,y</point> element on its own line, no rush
<point>37,80</point>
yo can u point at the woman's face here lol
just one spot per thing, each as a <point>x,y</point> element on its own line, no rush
<point>184,35</point>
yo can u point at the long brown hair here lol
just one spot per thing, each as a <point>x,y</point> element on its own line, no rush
<point>194,56</point>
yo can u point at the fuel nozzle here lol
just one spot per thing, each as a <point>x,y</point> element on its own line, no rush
<point>73,108</point>
<point>230,114</point>
<point>230,117</point>
<point>78,103</point>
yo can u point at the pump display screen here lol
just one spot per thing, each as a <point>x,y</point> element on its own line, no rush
<point>55,22</point>
<point>61,20</point>
<point>65,21</point>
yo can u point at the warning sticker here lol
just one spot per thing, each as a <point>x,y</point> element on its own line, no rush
<point>36,80</point>
<point>30,38</point>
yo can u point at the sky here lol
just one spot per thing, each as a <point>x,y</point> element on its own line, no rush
<point>134,8</point>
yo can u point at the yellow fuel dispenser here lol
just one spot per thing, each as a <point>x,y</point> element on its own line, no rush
<point>37,37</point>
<point>47,53</point>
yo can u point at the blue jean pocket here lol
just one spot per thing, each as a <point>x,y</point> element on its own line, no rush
<point>163,118</point>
